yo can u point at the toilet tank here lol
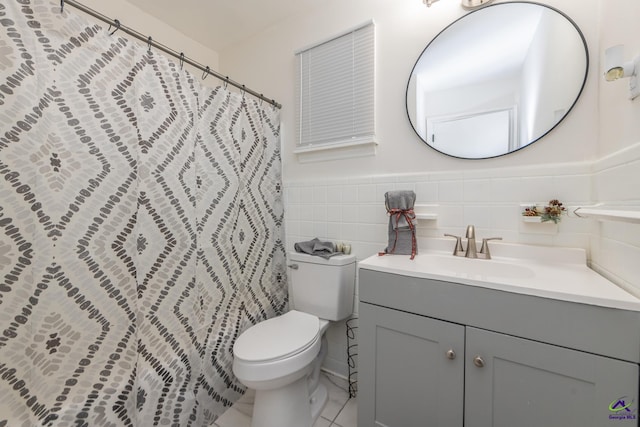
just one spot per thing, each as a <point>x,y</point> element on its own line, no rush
<point>322,287</point>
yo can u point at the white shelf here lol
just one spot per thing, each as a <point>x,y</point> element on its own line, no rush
<point>599,212</point>
<point>426,215</point>
<point>531,219</point>
<point>608,214</point>
<point>534,219</point>
<point>423,212</point>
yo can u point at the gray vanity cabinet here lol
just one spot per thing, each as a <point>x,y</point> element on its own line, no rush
<point>411,369</point>
<point>526,383</point>
<point>440,354</point>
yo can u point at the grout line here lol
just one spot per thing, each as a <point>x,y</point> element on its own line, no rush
<point>333,421</point>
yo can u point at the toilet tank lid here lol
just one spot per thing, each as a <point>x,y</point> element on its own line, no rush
<point>334,260</point>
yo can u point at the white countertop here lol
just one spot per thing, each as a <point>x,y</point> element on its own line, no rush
<point>548,272</point>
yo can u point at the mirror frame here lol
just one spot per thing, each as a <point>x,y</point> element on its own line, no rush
<point>538,138</point>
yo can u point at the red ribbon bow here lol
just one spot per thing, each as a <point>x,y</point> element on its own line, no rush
<point>409,215</point>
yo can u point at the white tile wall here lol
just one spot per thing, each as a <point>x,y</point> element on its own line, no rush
<point>616,245</point>
<point>353,211</point>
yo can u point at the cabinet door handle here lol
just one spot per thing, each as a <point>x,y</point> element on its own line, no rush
<point>451,354</point>
<point>478,361</point>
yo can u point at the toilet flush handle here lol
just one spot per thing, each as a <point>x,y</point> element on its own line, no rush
<point>293,266</point>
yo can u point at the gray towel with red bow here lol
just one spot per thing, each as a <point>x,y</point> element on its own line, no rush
<point>402,223</point>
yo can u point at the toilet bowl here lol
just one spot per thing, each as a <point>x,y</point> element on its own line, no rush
<point>280,358</point>
<point>277,348</point>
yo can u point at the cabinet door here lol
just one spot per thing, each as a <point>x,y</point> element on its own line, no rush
<point>407,374</point>
<point>530,384</point>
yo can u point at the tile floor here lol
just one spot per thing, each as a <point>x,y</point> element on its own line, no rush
<point>340,411</point>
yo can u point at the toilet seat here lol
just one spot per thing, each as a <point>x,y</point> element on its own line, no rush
<point>278,338</point>
<point>277,348</point>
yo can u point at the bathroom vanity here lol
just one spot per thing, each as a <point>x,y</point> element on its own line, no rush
<point>535,340</point>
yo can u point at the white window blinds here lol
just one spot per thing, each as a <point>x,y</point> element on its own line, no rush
<point>336,85</point>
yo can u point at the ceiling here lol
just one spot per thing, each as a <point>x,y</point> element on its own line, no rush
<point>219,24</point>
<point>468,54</point>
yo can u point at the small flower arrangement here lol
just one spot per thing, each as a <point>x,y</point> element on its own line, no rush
<point>552,212</point>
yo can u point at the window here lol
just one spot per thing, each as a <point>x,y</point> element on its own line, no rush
<point>335,97</point>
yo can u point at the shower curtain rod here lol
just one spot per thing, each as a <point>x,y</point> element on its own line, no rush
<point>151,43</point>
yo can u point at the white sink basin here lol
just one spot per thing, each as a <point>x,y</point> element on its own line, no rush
<point>476,268</point>
<point>548,272</point>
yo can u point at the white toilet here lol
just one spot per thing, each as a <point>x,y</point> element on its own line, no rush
<point>280,358</point>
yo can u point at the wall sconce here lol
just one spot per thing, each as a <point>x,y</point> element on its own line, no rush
<point>616,68</point>
<point>474,4</point>
<point>467,4</point>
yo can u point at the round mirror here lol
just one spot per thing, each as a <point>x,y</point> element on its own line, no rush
<point>497,79</point>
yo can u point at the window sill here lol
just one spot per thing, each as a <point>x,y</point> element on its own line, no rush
<point>359,147</point>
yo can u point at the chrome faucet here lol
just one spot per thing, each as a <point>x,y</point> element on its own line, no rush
<point>472,249</point>
<point>457,251</point>
<point>484,250</point>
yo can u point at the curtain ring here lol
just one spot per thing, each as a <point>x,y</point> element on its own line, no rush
<point>117,24</point>
<point>149,40</point>
<point>181,60</point>
<point>242,91</point>
<point>226,82</point>
<point>206,73</point>
<point>61,6</point>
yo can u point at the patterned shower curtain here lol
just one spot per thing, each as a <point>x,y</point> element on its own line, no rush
<point>141,228</point>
